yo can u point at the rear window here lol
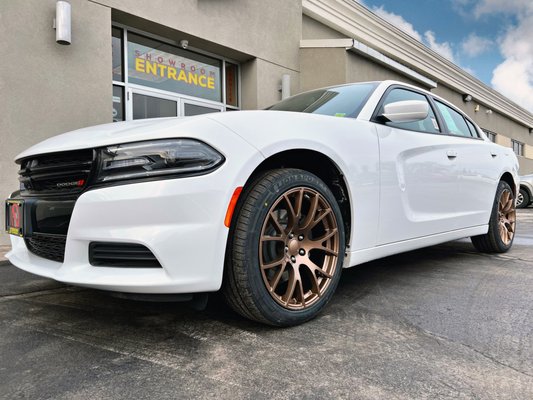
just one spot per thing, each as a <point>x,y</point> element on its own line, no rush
<point>341,101</point>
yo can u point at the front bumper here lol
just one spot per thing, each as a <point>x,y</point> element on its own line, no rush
<point>180,220</point>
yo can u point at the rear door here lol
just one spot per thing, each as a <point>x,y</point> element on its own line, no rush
<point>477,164</point>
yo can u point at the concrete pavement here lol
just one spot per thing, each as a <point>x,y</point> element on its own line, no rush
<point>438,323</point>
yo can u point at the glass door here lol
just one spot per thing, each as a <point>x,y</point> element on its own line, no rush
<point>147,104</point>
<point>153,104</point>
<point>193,107</point>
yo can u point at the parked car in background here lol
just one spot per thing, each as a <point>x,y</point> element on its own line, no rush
<point>525,195</point>
<point>268,205</point>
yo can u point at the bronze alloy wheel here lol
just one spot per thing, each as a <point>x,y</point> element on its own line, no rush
<point>299,248</point>
<point>506,217</point>
<point>502,223</point>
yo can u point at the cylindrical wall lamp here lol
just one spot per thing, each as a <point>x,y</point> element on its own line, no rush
<point>63,23</point>
<point>285,86</point>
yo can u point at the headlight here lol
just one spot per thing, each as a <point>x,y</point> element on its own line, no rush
<point>157,158</point>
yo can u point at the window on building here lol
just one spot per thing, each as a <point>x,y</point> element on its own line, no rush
<point>153,78</point>
<point>118,103</point>
<point>518,147</point>
<point>490,135</point>
<point>116,51</point>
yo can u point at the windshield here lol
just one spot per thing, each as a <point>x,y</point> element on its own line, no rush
<point>341,101</point>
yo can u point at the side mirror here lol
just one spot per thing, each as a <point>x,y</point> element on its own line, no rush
<point>406,111</point>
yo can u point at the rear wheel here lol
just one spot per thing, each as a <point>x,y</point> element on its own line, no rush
<point>522,200</point>
<point>502,223</point>
<point>286,249</point>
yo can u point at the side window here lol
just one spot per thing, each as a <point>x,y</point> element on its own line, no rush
<point>473,129</point>
<point>454,121</point>
<point>429,124</point>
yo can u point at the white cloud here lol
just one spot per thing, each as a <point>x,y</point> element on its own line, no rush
<point>398,21</point>
<point>514,76</point>
<point>484,7</point>
<point>444,48</point>
<point>475,45</point>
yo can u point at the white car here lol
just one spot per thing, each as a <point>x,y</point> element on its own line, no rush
<point>269,205</point>
<point>525,196</point>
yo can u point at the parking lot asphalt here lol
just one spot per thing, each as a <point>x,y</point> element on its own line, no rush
<point>438,323</point>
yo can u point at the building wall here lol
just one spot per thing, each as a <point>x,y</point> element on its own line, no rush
<point>269,30</point>
<point>47,88</point>
<point>361,69</point>
<point>312,29</point>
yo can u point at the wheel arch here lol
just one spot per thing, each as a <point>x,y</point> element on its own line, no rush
<point>316,163</point>
<point>508,178</point>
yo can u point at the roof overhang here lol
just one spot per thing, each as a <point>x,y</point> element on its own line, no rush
<point>356,21</point>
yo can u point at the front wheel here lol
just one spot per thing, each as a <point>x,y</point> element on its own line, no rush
<point>286,249</point>
<point>502,223</point>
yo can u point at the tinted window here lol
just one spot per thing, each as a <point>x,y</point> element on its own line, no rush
<point>342,101</point>
<point>472,128</point>
<point>429,124</point>
<point>454,121</point>
<point>116,46</point>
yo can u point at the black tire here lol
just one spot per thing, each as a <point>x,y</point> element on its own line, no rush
<point>523,199</point>
<point>502,223</point>
<point>248,287</point>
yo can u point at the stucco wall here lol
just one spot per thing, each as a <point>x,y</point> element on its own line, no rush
<point>312,29</point>
<point>269,30</point>
<point>48,88</point>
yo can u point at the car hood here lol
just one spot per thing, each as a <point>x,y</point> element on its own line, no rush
<point>122,132</point>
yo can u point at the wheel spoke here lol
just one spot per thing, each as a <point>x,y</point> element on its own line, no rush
<point>291,287</point>
<point>298,203</point>
<point>277,278</point>
<point>320,218</point>
<point>328,235</point>
<point>301,292</point>
<point>277,225</point>
<point>311,213</point>
<point>273,264</point>
<point>313,267</point>
<point>293,216</point>
<point>272,238</point>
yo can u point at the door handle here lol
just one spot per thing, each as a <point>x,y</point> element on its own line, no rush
<point>493,154</point>
<point>451,154</point>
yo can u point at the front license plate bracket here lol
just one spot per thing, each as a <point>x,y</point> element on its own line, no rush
<point>15,217</point>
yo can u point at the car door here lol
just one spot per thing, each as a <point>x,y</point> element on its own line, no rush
<point>477,165</point>
<point>418,174</point>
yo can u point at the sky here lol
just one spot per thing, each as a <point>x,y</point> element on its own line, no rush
<point>490,39</point>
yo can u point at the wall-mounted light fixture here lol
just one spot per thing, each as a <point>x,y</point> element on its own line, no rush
<point>467,98</point>
<point>489,111</point>
<point>530,131</point>
<point>184,44</point>
<point>62,23</point>
<point>285,87</point>
<point>476,108</point>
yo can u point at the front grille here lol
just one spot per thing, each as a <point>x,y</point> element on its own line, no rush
<point>61,173</point>
<point>125,255</point>
<point>46,245</point>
